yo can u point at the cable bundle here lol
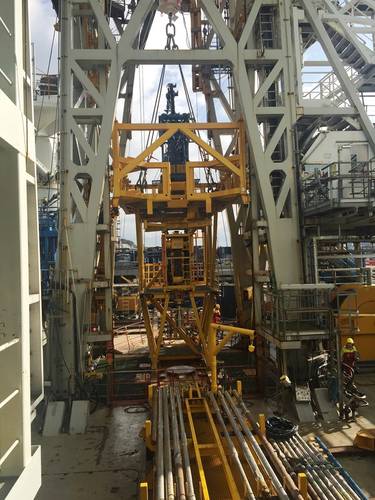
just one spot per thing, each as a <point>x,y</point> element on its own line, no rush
<point>280,429</point>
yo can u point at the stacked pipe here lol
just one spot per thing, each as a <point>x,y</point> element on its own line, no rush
<point>173,472</point>
<point>326,478</point>
<point>263,475</point>
<point>325,481</point>
<point>270,457</point>
<point>267,468</point>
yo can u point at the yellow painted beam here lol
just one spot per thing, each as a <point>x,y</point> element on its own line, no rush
<point>162,324</point>
<point>239,387</point>
<point>202,477</point>
<point>164,126</point>
<point>179,330</point>
<point>234,329</point>
<point>132,164</point>
<point>233,168</point>
<point>211,163</point>
<point>197,319</point>
<point>148,433</point>
<point>143,491</point>
<point>221,452</point>
<point>302,485</point>
<point>262,423</point>
<point>149,332</point>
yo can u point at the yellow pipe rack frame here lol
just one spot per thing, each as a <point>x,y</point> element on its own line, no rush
<point>184,210</point>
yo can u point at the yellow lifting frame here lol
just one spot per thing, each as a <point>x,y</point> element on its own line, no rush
<point>124,166</point>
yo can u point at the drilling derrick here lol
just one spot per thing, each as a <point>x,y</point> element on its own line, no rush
<point>182,203</point>
<point>298,199</point>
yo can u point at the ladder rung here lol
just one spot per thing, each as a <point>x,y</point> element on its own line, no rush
<point>9,344</point>
<point>9,451</point>
<point>9,398</point>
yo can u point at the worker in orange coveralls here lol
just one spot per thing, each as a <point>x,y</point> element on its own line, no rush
<point>217,314</point>
<point>349,357</point>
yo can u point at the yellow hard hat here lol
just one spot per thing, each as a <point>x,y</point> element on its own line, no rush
<point>349,340</point>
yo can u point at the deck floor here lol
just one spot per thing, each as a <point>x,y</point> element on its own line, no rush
<point>108,461</point>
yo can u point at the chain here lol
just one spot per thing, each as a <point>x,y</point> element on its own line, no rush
<point>170,31</point>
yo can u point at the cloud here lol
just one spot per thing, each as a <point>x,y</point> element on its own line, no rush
<point>42,20</point>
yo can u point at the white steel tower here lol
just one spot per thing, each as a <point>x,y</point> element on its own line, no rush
<point>21,374</point>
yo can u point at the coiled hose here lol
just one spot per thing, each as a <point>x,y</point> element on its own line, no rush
<point>280,429</point>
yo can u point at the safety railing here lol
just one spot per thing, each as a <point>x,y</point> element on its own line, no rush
<point>339,183</point>
<point>341,260</point>
<point>323,85</point>
<point>345,275</point>
<point>155,278</point>
<point>46,86</point>
<point>296,313</point>
<point>153,275</point>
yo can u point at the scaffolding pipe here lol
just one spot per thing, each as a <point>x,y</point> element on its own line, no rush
<point>262,458</point>
<point>232,448</point>
<point>177,457</point>
<point>167,448</point>
<point>288,481</point>
<point>160,487</point>
<point>185,450</point>
<point>242,442</point>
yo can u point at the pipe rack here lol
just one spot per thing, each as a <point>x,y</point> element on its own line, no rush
<point>258,467</point>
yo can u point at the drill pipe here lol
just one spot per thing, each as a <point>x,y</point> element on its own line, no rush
<point>310,472</point>
<point>288,481</point>
<point>275,480</point>
<point>314,489</point>
<point>345,475</point>
<point>160,487</point>
<point>177,457</point>
<point>232,448</point>
<point>322,467</point>
<point>154,416</point>
<point>167,448</point>
<point>242,442</point>
<point>336,477</point>
<point>185,451</point>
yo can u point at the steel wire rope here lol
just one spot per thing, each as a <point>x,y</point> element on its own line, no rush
<point>150,137</point>
<point>203,154</point>
<point>154,116</point>
<point>188,44</point>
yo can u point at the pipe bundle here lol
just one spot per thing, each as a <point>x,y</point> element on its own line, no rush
<point>173,472</point>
